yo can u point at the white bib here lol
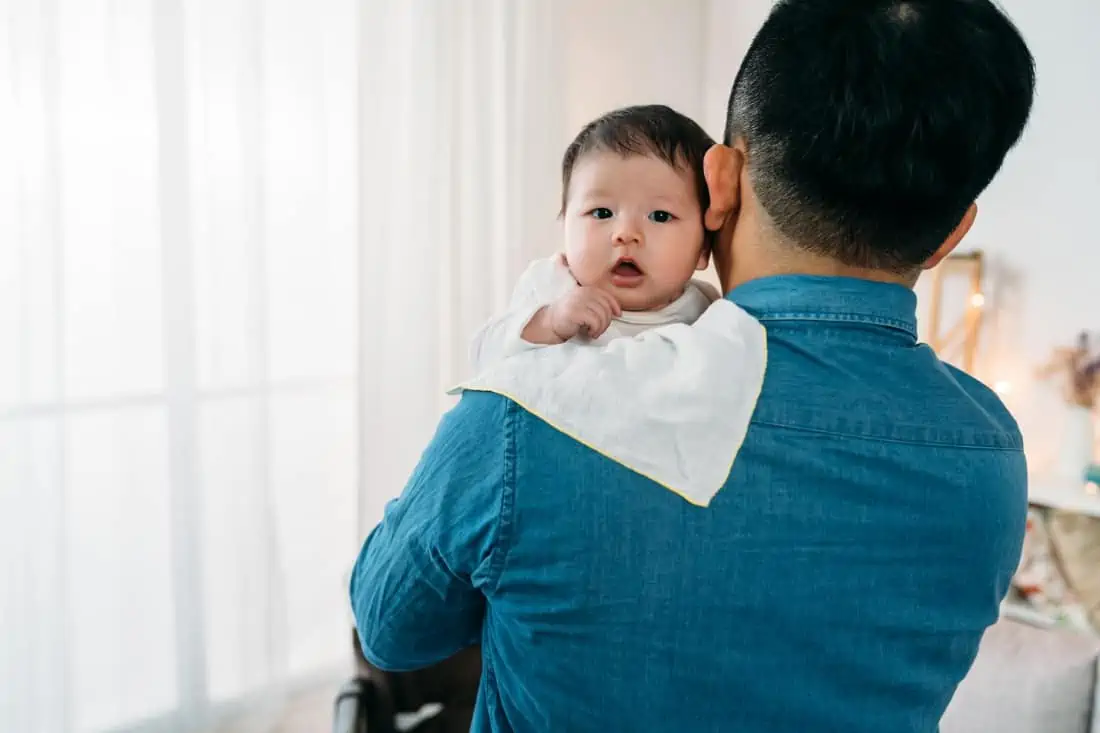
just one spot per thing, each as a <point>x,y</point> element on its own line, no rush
<point>672,404</point>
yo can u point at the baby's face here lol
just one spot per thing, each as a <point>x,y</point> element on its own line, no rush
<point>634,228</point>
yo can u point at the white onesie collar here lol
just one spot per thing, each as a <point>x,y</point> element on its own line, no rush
<point>695,299</point>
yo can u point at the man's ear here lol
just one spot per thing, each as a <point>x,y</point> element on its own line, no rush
<point>953,238</point>
<point>722,171</point>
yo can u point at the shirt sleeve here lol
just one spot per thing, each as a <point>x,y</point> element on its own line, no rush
<point>542,283</point>
<point>419,585</point>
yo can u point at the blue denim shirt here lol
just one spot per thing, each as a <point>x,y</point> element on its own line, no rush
<point>840,581</point>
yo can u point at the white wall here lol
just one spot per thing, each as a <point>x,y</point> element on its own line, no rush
<point>624,52</point>
<point>1038,221</point>
<point>729,29</point>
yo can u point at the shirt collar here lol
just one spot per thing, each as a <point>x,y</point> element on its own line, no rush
<point>816,298</point>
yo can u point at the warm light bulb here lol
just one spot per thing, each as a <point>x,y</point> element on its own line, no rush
<point>1092,489</point>
<point>977,300</point>
<point>1003,387</point>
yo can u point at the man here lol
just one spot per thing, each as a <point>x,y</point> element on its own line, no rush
<point>844,575</point>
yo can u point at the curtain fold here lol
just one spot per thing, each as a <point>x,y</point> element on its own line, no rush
<point>243,247</point>
<point>178,334</point>
<point>463,131</point>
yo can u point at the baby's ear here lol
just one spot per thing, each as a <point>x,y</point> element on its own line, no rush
<point>722,171</point>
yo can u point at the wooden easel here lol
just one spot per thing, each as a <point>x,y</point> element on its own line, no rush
<point>959,339</point>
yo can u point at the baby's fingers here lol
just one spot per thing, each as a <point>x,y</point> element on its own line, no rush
<point>597,318</point>
<point>611,302</point>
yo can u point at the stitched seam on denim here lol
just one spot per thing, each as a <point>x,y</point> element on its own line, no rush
<point>489,681</point>
<point>1015,447</point>
<point>901,325</point>
<point>490,692</point>
<point>502,541</point>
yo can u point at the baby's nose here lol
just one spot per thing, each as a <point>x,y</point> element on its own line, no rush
<point>628,232</point>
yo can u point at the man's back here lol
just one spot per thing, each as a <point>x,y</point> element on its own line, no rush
<point>842,578</point>
<point>840,581</point>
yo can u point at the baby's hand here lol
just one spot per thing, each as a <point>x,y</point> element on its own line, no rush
<point>586,308</point>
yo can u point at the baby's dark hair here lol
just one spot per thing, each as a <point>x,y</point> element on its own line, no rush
<point>651,129</point>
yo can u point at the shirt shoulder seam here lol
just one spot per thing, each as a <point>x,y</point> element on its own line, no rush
<point>502,539</point>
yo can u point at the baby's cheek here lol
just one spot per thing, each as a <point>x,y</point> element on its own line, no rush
<point>586,270</point>
<point>680,260</point>
<point>586,257</point>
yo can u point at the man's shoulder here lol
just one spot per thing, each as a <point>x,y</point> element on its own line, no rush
<point>906,395</point>
<point>484,418</point>
<point>482,412</point>
<point>471,433</point>
<point>989,402</point>
<point>478,411</point>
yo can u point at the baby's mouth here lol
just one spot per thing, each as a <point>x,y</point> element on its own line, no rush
<point>627,268</point>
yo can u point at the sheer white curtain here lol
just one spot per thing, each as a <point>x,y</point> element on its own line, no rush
<point>178,365</point>
<point>463,128</point>
<point>243,245</point>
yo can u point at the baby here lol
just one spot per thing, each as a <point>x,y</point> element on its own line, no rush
<point>632,204</point>
<point>658,401</point>
<point>633,197</point>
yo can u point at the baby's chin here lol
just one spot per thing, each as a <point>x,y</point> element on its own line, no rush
<point>630,299</point>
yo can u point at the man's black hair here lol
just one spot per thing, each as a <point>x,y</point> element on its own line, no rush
<point>643,130</point>
<point>872,125</point>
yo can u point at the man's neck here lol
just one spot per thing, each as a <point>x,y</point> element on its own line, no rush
<point>761,258</point>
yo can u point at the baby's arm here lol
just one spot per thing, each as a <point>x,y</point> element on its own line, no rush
<point>540,329</point>
<point>547,308</point>
<point>585,309</point>
<point>543,282</point>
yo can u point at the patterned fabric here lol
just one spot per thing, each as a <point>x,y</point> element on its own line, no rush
<point>1039,582</point>
<point>1058,577</point>
<point>1076,539</point>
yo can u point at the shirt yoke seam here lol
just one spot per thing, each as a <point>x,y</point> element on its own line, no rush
<point>846,318</point>
<point>1015,448</point>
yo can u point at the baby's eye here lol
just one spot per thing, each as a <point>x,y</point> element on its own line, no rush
<point>661,217</point>
<point>600,213</point>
